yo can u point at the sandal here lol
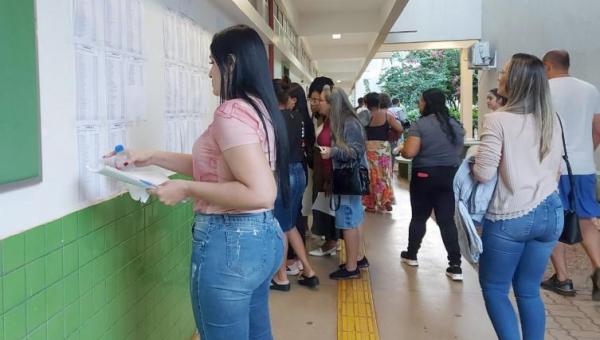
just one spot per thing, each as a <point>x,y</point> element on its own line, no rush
<point>310,282</point>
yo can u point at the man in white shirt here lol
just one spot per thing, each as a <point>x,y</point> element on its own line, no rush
<point>578,105</point>
<point>398,110</point>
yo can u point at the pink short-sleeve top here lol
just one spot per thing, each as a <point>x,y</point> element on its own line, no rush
<point>235,123</point>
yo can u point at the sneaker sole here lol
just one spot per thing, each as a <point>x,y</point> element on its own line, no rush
<point>345,278</point>
<point>455,277</point>
<point>412,263</point>
<point>562,292</point>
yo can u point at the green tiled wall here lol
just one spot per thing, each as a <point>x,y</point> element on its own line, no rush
<point>117,270</point>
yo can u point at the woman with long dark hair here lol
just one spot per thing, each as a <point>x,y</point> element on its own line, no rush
<point>434,144</point>
<point>288,216</point>
<point>236,167</point>
<point>521,143</point>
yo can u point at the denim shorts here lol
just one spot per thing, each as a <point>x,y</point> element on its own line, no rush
<point>586,202</point>
<point>288,217</point>
<point>349,211</point>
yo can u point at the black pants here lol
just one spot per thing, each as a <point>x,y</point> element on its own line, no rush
<point>431,189</point>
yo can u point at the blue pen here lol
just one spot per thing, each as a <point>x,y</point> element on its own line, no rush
<point>148,184</point>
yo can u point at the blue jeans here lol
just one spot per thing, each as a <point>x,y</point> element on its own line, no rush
<point>516,251</point>
<point>288,217</point>
<point>233,260</point>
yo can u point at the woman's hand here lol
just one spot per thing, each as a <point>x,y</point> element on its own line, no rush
<point>325,152</point>
<point>140,158</point>
<point>172,192</point>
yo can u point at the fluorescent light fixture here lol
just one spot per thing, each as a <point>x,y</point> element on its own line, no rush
<point>339,81</point>
<point>336,36</point>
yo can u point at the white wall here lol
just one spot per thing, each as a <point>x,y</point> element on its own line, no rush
<point>57,194</point>
<point>439,20</point>
<point>536,26</point>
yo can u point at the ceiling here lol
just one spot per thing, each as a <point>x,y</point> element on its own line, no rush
<point>362,24</point>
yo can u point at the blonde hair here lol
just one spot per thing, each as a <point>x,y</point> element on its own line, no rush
<point>528,92</point>
<point>341,111</point>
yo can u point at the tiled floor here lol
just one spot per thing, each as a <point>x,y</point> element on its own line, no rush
<point>421,303</point>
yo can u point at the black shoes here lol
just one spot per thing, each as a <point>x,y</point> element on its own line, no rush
<point>361,264</point>
<point>310,282</point>
<point>344,274</point>
<point>409,260</point>
<point>596,285</point>
<point>455,273</point>
<point>565,287</point>
<point>280,287</point>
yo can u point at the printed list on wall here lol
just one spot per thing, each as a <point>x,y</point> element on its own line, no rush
<point>109,72</point>
<point>188,95</point>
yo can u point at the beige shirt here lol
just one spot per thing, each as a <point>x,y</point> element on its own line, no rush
<point>510,147</point>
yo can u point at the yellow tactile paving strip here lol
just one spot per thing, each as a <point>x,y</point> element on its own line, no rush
<point>356,311</point>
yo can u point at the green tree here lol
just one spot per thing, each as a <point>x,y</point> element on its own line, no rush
<point>418,71</point>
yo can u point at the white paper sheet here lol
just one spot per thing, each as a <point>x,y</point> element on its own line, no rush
<point>170,35</point>
<point>174,137</point>
<point>182,90</point>
<point>196,93</point>
<point>113,23</point>
<point>117,134</point>
<point>86,81</point>
<point>84,19</point>
<point>133,23</point>
<point>114,87</point>
<point>134,90</point>
<point>89,151</point>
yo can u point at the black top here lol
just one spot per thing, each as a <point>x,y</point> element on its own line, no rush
<point>294,125</point>
<point>378,132</point>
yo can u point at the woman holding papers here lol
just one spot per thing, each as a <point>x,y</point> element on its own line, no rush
<point>237,171</point>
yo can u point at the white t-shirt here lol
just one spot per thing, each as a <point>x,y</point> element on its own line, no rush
<point>576,102</point>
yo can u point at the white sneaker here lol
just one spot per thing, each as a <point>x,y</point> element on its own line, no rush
<point>294,269</point>
<point>319,252</point>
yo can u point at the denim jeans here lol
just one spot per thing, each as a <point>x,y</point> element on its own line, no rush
<point>516,251</point>
<point>233,260</point>
<point>288,216</point>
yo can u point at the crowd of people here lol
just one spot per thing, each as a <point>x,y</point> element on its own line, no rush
<point>274,155</point>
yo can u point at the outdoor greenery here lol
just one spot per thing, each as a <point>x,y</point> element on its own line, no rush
<point>416,71</point>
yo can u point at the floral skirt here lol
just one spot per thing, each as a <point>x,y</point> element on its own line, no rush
<point>381,195</point>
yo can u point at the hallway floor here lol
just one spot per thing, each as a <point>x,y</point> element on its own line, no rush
<point>419,303</point>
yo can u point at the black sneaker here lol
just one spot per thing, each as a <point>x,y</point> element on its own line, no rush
<point>455,273</point>
<point>596,285</point>
<point>361,264</point>
<point>564,288</point>
<point>411,261</point>
<point>280,287</point>
<point>344,274</point>
<point>310,282</point>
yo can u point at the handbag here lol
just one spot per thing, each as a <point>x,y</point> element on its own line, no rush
<point>571,233</point>
<point>352,180</point>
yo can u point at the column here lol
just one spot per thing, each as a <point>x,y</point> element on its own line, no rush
<point>466,93</point>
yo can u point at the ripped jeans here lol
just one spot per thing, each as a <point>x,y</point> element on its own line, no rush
<point>233,260</point>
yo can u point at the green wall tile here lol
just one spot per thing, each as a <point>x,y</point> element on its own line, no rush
<point>36,276</point>
<point>14,290</point>
<point>39,334</point>
<point>69,229</point>
<point>86,249</point>
<point>98,242</point>
<point>72,318</point>
<point>85,221</point>
<point>54,235</point>
<point>13,252</point>
<point>55,298</point>
<point>101,272</point>
<point>35,243</point>
<point>86,278</point>
<point>54,267</point>
<point>15,323</point>
<point>56,327</point>
<point>36,311</point>
<point>71,288</point>
<point>70,258</point>
<point>86,305</point>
